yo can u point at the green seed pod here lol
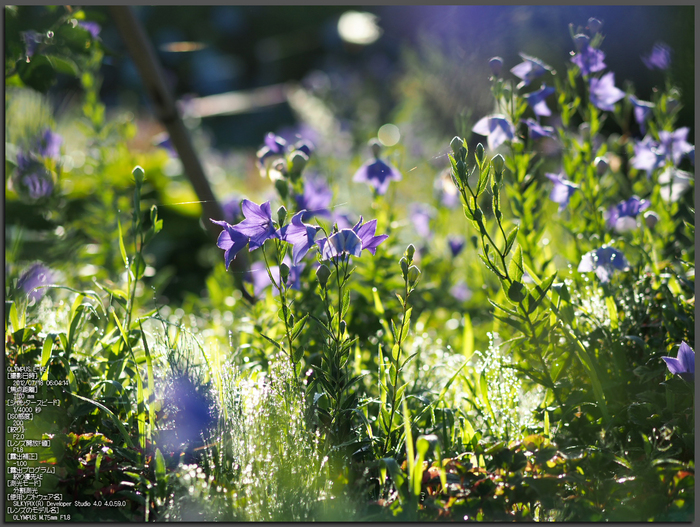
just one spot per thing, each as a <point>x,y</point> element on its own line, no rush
<point>322,274</point>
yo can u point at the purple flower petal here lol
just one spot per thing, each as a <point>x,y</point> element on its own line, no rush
<point>604,261</point>
<point>589,60</point>
<point>300,235</point>
<point>537,98</point>
<point>497,128</point>
<point>562,191</point>
<point>659,58</point>
<point>538,131</point>
<point>230,240</point>
<point>529,70</point>
<point>36,275</point>
<point>257,224</point>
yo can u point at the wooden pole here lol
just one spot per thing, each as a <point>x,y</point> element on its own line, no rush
<point>151,72</point>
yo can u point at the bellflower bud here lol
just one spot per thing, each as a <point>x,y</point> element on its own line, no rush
<point>456,145</point>
<point>410,251</point>
<point>479,154</point>
<point>498,164</point>
<point>376,147</point>
<point>282,188</point>
<point>139,174</point>
<point>413,274</point>
<point>281,215</point>
<point>322,274</point>
<point>671,104</point>
<point>601,165</point>
<point>496,65</point>
<point>298,161</point>
<point>581,41</point>
<point>594,25</point>
<point>404,266</point>
<point>284,272</point>
<point>651,218</point>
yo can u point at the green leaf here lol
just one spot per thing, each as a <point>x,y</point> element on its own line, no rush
<point>160,466</point>
<point>122,249</point>
<point>46,354</point>
<point>515,267</point>
<point>272,341</point>
<point>111,415</point>
<point>612,311</point>
<point>397,476</point>
<point>346,304</point>
<point>63,65</point>
<point>467,338</point>
<point>510,240</point>
<point>299,326</point>
<point>517,292</point>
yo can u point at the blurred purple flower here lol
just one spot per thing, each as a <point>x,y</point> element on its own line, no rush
<point>460,291</point>
<point>647,155</point>
<point>316,199</point>
<point>300,235</point>
<point>231,207</point>
<point>34,276</point>
<point>537,98</point>
<point>456,244</point>
<point>496,65</point>
<point>529,70</point>
<point>589,60</point>
<point>674,183</point>
<point>37,186</point>
<point>538,131</point>
<point>261,280</point>
<point>642,109</point>
<point>365,232</point>
<point>274,147</point>
<point>230,240</point>
<point>659,58</point>
<point>562,191</point>
<point>684,364</point>
<point>257,225</point>
<point>93,27</point>
<point>377,174</point>
<point>497,128</point>
<point>445,190</point>
<point>603,93</point>
<point>674,144</point>
<point>32,39</point>
<point>48,144</point>
<point>623,216</point>
<point>162,140</point>
<point>421,215</point>
<point>604,261</point>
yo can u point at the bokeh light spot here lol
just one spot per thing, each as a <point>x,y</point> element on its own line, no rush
<point>389,134</point>
<point>358,28</point>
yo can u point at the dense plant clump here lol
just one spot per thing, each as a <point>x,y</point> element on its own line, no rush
<point>512,341</point>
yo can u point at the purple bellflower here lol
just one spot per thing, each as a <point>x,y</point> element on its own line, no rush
<point>684,364</point>
<point>36,275</point>
<point>456,244</point>
<point>446,191</point>
<point>377,174</point>
<point>588,59</point>
<point>300,235</point>
<point>316,199</point>
<point>497,128</point>
<point>642,109</point>
<point>31,180</point>
<point>604,261</point>
<point>659,58</point>
<point>37,186</point>
<point>421,215</point>
<point>529,69</point>
<point>623,216</point>
<point>648,155</point>
<point>536,99</point>
<point>48,145</point>
<point>604,94</point>
<point>339,245</point>
<point>537,131</point>
<point>562,191</point>
<point>257,225</point>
